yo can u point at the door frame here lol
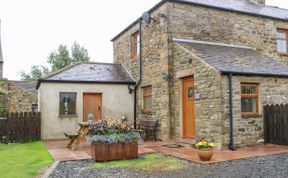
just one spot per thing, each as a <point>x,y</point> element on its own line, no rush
<point>184,107</point>
<point>101,102</point>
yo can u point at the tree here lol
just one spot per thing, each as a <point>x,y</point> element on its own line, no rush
<point>36,72</point>
<point>79,53</point>
<point>61,57</point>
<point>58,59</point>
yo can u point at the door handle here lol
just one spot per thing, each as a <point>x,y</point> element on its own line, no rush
<point>99,108</point>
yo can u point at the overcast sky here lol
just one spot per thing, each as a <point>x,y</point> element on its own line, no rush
<point>31,29</point>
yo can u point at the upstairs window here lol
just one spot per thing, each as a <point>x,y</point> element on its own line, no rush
<point>67,104</point>
<point>147,98</point>
<point>282,41</point>
<point>249,99</point>
<point>135,44</point>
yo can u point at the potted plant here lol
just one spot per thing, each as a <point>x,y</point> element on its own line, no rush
<point>113,139</point>
<point>205,150</point>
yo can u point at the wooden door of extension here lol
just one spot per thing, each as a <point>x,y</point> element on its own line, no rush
<point>188,105</point>
<point>92,103</point>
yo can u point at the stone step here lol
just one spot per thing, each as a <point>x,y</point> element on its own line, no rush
<point>185,141</point>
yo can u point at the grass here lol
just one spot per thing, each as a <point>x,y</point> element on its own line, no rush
<point>149,162</point>
<point>23,160</point>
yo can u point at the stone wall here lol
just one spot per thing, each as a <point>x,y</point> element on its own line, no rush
<point>247,131</point>
<point>4,95</point>
<point>208,24</point>
<point>21,96</point>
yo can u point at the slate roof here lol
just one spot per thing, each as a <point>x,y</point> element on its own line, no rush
<point>29,86</point>
<point>237,60</point>
<point>244,6</point>
<point>90,72</point>
<point>241,6</point>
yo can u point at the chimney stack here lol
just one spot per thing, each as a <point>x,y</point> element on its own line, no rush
<point>1,57</point>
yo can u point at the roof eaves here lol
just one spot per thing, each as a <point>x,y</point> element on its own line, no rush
<point>253,74</point>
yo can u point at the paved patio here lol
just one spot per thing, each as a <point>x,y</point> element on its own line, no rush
<point>59,151</point>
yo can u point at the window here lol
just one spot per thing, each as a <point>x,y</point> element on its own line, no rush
<point>147,98</point>
<point>67,104</point>
<point>282,41</point>
<point>249,99</point>
<point>135,44</point>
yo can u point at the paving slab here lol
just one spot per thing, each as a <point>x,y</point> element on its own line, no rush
<point>59,152</point>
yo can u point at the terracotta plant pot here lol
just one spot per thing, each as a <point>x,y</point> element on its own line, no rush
<point>205,154</point>
<point>101,151</point>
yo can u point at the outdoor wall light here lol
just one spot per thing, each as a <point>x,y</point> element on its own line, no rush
<point>123,118</point>
<point>166,76</point>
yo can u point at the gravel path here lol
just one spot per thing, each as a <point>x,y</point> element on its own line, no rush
<point>274,166</point>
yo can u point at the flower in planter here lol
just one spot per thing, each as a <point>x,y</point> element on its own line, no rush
<point>203,144</point>
<point>112,131</point>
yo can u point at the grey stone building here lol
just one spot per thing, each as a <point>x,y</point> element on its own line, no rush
<point>192,54</point>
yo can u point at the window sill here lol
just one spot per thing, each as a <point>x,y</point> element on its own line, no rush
<point>68,116</point>
<point>283,54</point>
<point>246,116</point>
<point>147,112</point>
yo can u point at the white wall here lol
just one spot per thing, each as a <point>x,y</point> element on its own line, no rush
<point>116,101</point>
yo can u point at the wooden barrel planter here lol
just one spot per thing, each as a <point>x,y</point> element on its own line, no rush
<point>101,151</point>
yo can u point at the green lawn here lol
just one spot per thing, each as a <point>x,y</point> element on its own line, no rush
<point>149,162</point>
<point>23,160</point>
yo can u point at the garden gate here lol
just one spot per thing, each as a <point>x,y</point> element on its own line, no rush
<point>276,124</point>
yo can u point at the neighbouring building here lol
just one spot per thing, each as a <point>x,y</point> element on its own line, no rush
<point>21,96</point>
<point>194,54</point>
<point>68,96</point>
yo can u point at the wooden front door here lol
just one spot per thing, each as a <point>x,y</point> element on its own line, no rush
<point>92,103</point>
<point>188,104</point>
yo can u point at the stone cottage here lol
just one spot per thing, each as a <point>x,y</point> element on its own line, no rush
<point>22,95</point>
<point>207,68</point>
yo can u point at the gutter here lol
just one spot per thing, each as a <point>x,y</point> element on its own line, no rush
<point>79,81</point>
<point>140,73</point>
<point>254,74</point>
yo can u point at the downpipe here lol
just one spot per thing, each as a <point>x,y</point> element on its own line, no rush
<point>231,145</point>
<point>140,73</point>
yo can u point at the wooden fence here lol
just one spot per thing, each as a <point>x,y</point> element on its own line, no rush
<point>20,127</point>
<point>276,124</point>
